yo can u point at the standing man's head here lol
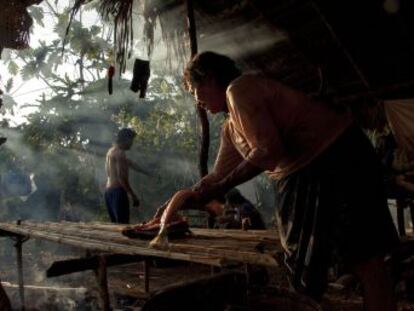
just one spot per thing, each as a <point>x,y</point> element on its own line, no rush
<point>125,138</point>
<point>207,77</point>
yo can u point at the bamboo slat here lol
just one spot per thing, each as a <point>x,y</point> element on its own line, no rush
<point>206,247</point>
<point>231,233</point>
<point>225,251</point>
<point>221,240</point>
<point>223,247</point>
<point>194,242</point>
<point>103,246</point>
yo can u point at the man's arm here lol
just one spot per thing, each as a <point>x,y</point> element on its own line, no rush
<point>161,209</point>
<point>242,173</point>
<point>122,168</point>
<point>137,168</point>
<point>230,170</point>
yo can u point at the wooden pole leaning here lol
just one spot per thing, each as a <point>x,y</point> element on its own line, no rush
<point>202,114</point>
<point>19,258</point>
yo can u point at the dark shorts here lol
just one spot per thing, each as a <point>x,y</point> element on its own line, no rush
<point>117,203</point>
<point>335,207</point>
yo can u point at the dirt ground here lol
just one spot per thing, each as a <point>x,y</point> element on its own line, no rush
<point>336,299</point>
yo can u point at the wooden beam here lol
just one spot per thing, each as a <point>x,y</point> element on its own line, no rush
<point>393,91</point>
<point>64,267</point>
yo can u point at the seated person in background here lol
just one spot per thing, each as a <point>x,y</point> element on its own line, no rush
<point>239,213</point>
<point>235,212</point>
<point>406,181</point>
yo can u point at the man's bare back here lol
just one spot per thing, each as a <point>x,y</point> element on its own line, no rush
<point>115,162</point>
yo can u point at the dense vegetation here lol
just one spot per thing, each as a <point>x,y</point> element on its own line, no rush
<point>71,125</point>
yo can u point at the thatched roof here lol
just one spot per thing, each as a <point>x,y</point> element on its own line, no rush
<point>15,23</point>
<point>354,46</point>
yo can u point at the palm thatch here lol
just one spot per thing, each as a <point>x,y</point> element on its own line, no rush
<point>357,49</point>
<point>15,23</point>
<point>120,11</point>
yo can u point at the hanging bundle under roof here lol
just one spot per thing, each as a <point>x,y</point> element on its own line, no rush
<point>120,11</point>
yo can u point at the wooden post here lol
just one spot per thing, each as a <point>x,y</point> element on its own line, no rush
<point>202,114</point>
<point>146,275</point>
<point>102,281</point>
<point>19,254</point>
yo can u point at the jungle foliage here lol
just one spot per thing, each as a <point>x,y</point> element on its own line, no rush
<point>72,124</point>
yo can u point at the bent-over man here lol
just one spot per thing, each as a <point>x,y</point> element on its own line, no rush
<point>328,181</point>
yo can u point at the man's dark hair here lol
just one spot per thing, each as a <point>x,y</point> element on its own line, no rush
<point>125,135</point>
<point>210,65</point>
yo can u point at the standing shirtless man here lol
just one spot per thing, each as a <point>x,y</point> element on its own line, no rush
<point>117,184</point>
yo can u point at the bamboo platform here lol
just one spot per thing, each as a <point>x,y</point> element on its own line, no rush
<point>215,247</point>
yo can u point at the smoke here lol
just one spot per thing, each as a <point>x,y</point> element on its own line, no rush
<point>171,43</point>
<point>239,41</point>
<point>70,292</point>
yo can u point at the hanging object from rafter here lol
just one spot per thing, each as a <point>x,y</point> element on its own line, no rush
<point>120,11</point>
<point>141,74</point>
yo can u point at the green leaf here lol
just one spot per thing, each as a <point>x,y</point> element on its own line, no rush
<point>95,30</point>
<point>13,68</point>
<point>6,55</point>
<point>36,13</point>
<point>165,88</point>
<point>40,53</point>
<point>9,85</point>
<point>28,70</point>
<point>9,102</point>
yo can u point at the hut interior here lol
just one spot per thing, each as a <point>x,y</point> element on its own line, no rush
<point>355,54</point>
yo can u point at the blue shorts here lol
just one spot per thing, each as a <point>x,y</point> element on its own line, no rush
<point>117,203</point>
